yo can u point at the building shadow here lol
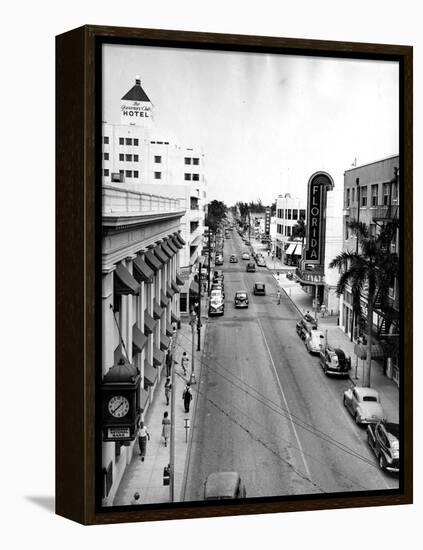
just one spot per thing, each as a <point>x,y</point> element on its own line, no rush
<point>46,502</point>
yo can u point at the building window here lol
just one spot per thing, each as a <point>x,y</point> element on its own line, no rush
<point>121,173</point>
<point>374,194</point>
<point>187,177</point>
<point>281,213</point>
<point>302,215</point>
<point>196,161</point>
<point>295,214</point>
<point>289,214</point>
<point>128,158</point>
<point>347,231</point>
<point>196,177</point>
<point>136,174</point>
<point>106,156</point>
<point>121,141</point>
<point>372,230</point>
<point>288,231</point>
<point>106,140</point>
<point>136,158</point>
<point>128,141</point>
<point>157,175</point>
<point>353,195</point>
<point>158,158</point>
<point>136,141</point>
<point>187,160</point>
<point>363,194</point>
<point>128,173</point>
<point>106,172</point>
<point>347,200</point>
<point>121,156</point>
<point>386,194</point>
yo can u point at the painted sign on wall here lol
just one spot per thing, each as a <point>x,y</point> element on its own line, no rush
<point>318,186</point>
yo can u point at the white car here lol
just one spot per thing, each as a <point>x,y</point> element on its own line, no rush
<point>315,341</point>
<point>216,304</point>
<point>245,256</point>
<point>364,405</point>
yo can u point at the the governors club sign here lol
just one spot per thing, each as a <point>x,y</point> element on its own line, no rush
<point>318,186</point>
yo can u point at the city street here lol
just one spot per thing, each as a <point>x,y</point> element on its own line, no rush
<point>265,409</point>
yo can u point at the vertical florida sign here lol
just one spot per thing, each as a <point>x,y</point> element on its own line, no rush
<point>267,222</point>
<point>318,186</point>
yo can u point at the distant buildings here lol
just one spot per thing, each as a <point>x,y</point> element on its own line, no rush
<point>289,210</point>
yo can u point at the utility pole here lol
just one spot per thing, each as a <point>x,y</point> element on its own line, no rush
<point>208,267</point>
<point>315,304</point>
<point>172,431</point>
<point>199,308</point>
<point>192,323</point>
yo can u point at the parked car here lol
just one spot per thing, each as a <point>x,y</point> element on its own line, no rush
<point>334,361</point>
<point>304,327</point>
<point>383,439</point>
<point>216,303</point>
<point>219,260</point>
<point>218,275</point>
<point>315,341</point>
<point>260,261</point>
<point>364,405</point>
<point>233,259</point>
<point>245,256</point>
<point>241,298</point>
<point>259,289</point>
<point>251,266</point>
<point>223,486</point>
<point>218,286</point>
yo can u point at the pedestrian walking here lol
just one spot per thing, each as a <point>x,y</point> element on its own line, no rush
<point>279,295</point>
<point>165,427</point>
<point>184,362</point>
<point>168,364</point>
<point>143,436</point>
<point>167,389</point>
<point>187,396</point>
<point>136,498</point>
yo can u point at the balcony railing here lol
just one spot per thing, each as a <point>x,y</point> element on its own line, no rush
<point>119,201</point>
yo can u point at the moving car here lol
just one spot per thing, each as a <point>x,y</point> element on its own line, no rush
<point>383,439</point>
<point>364,405</point>
<point>216,303</point>
<point>315,340</point>
<point>245,256</point>
<point>259,289</point>
<point>224,485</point>
<point>241,298</point>
<point>334,361</point>
<point>304,327</point>
<point>233,259</point>
<point>251,266</point>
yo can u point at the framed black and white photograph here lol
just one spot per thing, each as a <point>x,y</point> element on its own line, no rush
<point>241,233</point>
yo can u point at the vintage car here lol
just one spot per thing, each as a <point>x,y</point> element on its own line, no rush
<point>224,485</point>
<point>315,341</point>
<point>216,303</point>
<point>304,327</point>
<point>383,439</point>
<point>241,298</point>
<point>251,267</point>
<point>218,275</point>
<point>259,289</point>
<point>260,261</point>
<point>245,256</point>
<point>218,260</point>
<point>233,259</point>
<point>364,405</point>
<point>334,361</point>
<point>219,286</point>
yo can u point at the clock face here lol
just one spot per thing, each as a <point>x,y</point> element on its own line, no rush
<point>118,406</point>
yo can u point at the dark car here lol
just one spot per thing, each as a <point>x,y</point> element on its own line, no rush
<point>334,361</point>
<point>233,259</point>
<point>218,275</point>
<point>241,298</point>
<point>218,260</point>
<point>304,327</point>
<point>259,289</point>
<point>383,439</point>
<point>251,267</point>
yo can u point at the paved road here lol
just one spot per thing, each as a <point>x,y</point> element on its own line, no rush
<point>266,409</point>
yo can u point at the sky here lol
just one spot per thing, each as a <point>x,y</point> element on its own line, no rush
<point>264,122</point>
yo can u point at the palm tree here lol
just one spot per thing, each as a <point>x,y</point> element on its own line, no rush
<point>369,270</point>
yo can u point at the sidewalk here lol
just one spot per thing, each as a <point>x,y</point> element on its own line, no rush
<point>273,264</point>
<point>147,477</point>
<point>388,390</point>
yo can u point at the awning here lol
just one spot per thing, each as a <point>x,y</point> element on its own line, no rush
<point>149,323</point>
<point>169,329</point>
<point>138,339</point>
<point>177,242</point>
<point>377,351</point>
<point>196,241</point>
<point>173,318</point>
<point>180,239</point>
<point>164,300</point>
<point>150,374</point>
<point>175,286</point>
<point>153,261</point>
<point>143,399</point>
<point>157,310</point>
<point>164,342</point>
<point>179,281</point>
<point>298,251</point>
<point>158,356</point>
<point>291,248</point>
<point>171,245</point>
<point>142,273</point>
<point>167,250</point>
<point>160,254</point>
<point>124,283</point>
<point>170,292</point>
<point>194,288</point>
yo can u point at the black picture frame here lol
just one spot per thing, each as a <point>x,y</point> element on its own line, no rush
<point>78,217</point>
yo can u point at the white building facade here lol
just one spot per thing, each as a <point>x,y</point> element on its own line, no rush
<point>289,210</point>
